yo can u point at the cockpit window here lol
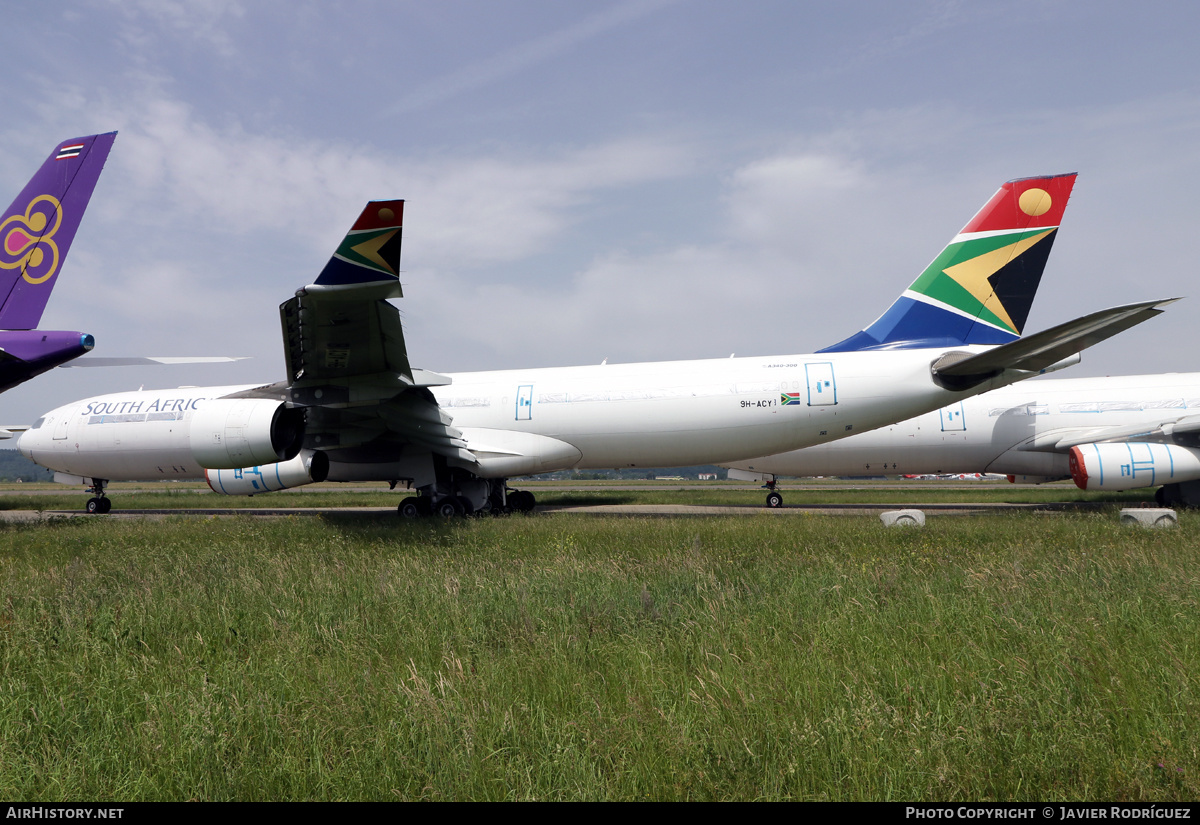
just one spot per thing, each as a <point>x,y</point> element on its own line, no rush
<point>38,423</point>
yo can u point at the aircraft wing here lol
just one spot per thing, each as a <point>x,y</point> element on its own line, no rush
<point>347,362</point>
<point>1036,352</point>
<point>148,360</point>
<point>1169,430</point>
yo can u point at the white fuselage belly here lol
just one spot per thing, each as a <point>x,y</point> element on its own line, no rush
<point>986,433</point>
<point>650,414</point>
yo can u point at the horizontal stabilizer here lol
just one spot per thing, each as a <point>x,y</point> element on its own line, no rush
<point>149,360</point>
<point>1044,349</point>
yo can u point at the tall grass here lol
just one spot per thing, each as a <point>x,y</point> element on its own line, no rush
<point>334,496</point>
<point>357,657</point>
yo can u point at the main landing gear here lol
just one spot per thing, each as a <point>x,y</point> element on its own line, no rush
<point>1180,494</point>
<point>476,497</point>
<point>98,504</point>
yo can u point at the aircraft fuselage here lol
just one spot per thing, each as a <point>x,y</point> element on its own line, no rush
<point>620,415</point>
<point>998,432</point>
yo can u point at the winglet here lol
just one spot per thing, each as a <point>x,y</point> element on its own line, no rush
<point>370,252</point>
<point>37,229</point>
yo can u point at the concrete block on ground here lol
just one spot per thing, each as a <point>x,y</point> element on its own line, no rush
<point>1149,516</point>
<point>902,518</point>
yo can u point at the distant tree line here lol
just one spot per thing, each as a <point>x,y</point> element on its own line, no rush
<point>16,467</point>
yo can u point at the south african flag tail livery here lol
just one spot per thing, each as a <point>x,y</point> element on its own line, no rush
<point>980,288</point>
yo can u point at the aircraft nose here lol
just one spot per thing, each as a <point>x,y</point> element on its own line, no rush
<point>31,439</point>
<point>25,444</point>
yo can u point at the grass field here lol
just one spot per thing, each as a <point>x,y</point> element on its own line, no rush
<point>155,496</point>
<point>1018,657</point>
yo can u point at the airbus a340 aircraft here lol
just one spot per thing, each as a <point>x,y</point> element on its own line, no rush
<point>1117,433</point>
<point>353,409</point>
<point>35,235</point>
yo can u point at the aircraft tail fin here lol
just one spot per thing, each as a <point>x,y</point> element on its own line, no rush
<point>980,288</point>
<point>370,252</point>
<point>37,230</point>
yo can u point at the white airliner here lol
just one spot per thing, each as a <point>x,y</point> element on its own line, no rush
<point>1117,433</point>
<point>354,409</point>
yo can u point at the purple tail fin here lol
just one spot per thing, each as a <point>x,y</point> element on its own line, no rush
<point>37,230</point>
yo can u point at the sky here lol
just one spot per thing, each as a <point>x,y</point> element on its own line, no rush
<point>630,180</point>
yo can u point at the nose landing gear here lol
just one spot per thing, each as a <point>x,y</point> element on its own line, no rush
<point>774,497</point>
<point>98,504</point>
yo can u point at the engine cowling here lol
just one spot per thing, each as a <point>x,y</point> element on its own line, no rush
<point>1132,465</point>
<point>307,468</point>
<point>232,433</point>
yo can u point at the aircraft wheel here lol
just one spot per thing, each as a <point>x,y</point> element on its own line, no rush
<point>449,508</point>
<point>464,506</point>
<point>408,508</point>
<point>1173,495</point>
<point>105,505</point>
<point>522,501</point>
<point>774,499</point>
<point>93,505</point>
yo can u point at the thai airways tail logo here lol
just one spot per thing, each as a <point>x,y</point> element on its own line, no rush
<point>27,241</point>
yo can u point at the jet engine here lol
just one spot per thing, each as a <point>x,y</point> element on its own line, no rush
<point>228,433</point>
<point>1130,465</point>
<point>307,468</point>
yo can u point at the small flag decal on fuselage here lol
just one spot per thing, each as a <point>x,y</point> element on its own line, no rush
<point>71,151</point>
<point>789,398</point>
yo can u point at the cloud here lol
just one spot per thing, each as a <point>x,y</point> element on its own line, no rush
<point>772,198</point>
<point>199,21</point>
<point>523,56</point>
<point>463,210</point>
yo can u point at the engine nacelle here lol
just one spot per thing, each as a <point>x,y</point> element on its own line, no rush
<point>231,433</point>
<point>1130,465</point>
<point>307,468</point>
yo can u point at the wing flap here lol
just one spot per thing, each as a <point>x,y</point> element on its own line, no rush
<point>335,338</point>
